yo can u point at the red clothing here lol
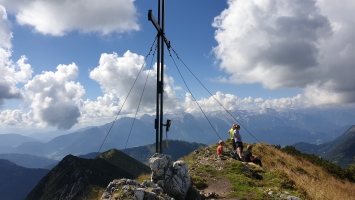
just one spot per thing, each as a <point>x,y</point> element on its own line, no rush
<point>220,150</point>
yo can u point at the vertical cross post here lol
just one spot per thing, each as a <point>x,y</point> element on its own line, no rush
<point>159,25</point>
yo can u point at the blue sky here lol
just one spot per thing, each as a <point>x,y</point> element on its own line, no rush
<point>69,64</point>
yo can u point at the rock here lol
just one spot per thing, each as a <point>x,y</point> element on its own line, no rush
<point>293,198</point>
<point>174,177</point>
<point>139,193</point>
<point>168,179</point>
<point>280,195</point>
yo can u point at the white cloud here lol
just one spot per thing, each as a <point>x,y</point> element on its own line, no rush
<point>280,44</point>
<point>11,73</point>
<point>16,118</point>
<point>231,102</point>
<point>5,34</point>
<point>59,17</point>
<point>116,75</point>
<point>52,97</point>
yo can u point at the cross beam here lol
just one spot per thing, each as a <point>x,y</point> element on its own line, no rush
<point>157,26</point>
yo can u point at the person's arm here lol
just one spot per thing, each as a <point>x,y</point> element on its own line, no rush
<point>237,135</point>
<point>251,157</point>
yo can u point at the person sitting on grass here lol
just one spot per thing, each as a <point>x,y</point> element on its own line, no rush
<point>220,149</point>
<point>249,157</point>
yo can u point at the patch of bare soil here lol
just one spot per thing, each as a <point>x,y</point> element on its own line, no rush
<point>217,188</point>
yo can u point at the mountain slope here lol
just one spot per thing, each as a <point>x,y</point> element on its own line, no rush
<point>16,181</point>
<point>343,151</point>
<point>125,163</point>
<point>74,177</point>
<point>340,151</point>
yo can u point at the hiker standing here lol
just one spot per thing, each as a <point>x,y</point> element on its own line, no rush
<point>238,141</point>
<point>231,132</point>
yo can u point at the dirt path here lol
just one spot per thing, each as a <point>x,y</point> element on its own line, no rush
<point>219,186</point>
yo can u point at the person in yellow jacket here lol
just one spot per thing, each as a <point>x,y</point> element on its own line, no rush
<point>230,132</point>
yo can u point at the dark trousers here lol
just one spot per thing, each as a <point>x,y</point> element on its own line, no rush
<point>240,145</point>
<point>234,146</point>
<point>257,161</point>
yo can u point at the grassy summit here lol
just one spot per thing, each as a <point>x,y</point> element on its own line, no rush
<point>281,175</point>
<point>285,172</point>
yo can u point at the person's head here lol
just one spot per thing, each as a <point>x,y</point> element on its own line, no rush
<point>221,142</point>
<point>234,125</point>
<point>237,127</point>
<point>249,147</point>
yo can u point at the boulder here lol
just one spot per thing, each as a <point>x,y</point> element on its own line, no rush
<point>172,177</point>
<point>168,179</point>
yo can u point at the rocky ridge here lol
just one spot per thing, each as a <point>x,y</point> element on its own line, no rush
<point>171,180</point>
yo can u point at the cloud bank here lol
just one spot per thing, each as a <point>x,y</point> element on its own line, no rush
<point>290,44</point>
<point>59,17</point>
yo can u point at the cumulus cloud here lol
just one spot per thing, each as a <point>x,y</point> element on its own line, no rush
<point>59,17</point>
<point>52,97</point>
<point>11,73</point>
<point>116,75</point>
<point>16,118</point>
<point>302,44</point>
<point>232,102</point>
<point>5,34</point>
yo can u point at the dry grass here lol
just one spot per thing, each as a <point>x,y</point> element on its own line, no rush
<point>311,180</point>
<point>143,177</point>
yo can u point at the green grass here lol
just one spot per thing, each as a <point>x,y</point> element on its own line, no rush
<point>246,184</point>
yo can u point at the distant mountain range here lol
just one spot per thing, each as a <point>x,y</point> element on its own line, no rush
<point>340,151</point>
<point>272,127</point>
<point>12,139</point>
<point>29,161</point>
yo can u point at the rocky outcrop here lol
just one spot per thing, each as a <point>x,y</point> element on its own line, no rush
<point>169,179</point>
<point>174,177</point>
<point>131,189</point>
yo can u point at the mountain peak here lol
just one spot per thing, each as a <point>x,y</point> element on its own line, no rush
<point>74,176</point>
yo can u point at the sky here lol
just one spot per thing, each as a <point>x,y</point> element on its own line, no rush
<point>71,64</point>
